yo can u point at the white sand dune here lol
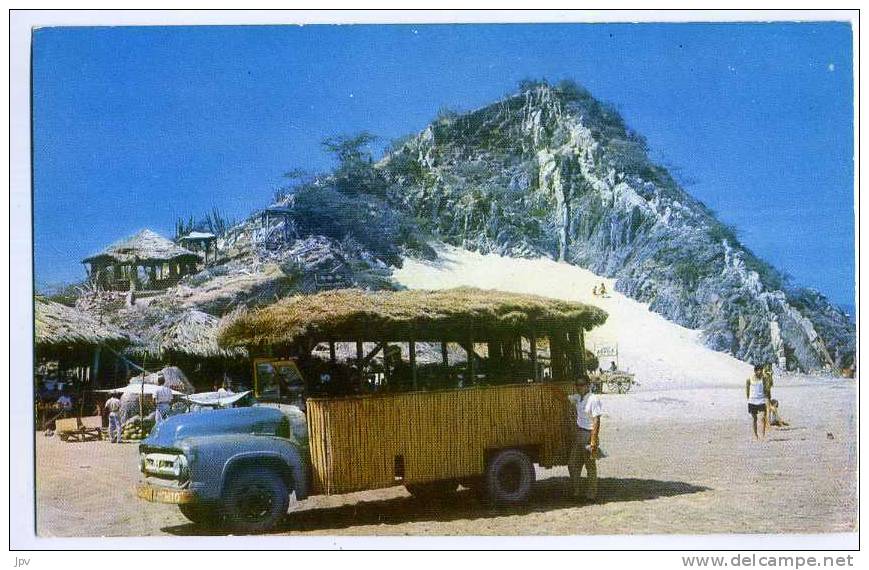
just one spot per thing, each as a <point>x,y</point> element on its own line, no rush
<point>662,354</point>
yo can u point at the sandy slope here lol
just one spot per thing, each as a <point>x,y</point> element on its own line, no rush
<point>660,353</point>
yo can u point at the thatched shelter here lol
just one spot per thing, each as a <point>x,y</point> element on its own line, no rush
<point>190,341</point>
<point>503,326</point>
<point>60,329</point>
<point>452,315</point>
<point>193,333</point>
<point>73,339</point>
<point>145,260</point>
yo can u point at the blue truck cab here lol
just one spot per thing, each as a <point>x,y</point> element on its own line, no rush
<point>235,466</point>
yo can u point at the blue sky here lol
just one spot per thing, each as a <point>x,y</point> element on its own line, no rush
<point>134,127</point>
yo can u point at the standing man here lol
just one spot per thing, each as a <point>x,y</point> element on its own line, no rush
<point>757,390</point>
<point>586,440</point>
<point>162,398</point>
<point>113,405</point>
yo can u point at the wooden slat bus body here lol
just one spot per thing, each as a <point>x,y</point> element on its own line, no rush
<point>437,435</point>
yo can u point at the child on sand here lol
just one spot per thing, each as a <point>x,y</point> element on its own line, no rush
<point>774,418</point>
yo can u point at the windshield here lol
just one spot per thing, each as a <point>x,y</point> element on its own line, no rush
<point>280,382</point>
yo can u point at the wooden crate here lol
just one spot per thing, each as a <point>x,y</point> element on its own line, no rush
<point>356,441</point>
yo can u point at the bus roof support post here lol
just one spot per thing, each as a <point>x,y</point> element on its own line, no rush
<point>411,348</point>
<point>472,364</point>
<point>533,342</point>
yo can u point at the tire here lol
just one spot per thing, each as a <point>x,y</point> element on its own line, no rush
<point>202,515</point>
<point>509,477</point>
<point>255,500</point>
<point>432,489</point>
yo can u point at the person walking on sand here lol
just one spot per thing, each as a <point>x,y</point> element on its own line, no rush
<point>162,398</point>
<point>757,391</point>
<point>586,440</point>
<point>113,405</point>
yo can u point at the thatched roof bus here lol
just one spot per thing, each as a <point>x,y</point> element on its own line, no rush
<point>430,434</point>
<point>509,325</point>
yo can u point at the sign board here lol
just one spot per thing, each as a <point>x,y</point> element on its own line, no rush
<point>606,350</point>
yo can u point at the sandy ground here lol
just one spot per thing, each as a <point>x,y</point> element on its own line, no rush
<point>696,472</point>
<point>681,457</point>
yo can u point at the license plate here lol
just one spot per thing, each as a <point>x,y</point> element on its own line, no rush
<point>158,495</point>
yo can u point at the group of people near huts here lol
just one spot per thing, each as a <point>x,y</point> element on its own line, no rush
<point>161,399</point>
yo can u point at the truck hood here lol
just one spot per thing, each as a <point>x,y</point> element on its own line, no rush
<point>252,420</point>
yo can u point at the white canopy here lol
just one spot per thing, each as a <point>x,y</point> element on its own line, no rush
<point>213,399</point>
<point>149,389</point>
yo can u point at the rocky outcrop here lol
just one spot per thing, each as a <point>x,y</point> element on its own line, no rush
<point>552,171</point>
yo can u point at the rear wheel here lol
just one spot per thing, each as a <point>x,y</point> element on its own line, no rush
<point>197,513</point>
<point>432,489</point>
<point>509,477</point>
<point>255,500</point>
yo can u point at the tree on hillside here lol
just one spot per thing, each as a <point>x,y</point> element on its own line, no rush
<point>355,173</point>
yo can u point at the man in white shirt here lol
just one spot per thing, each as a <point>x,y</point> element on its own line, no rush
<point>758,390</point>
<point>113,405</point>
<point>162,397</point>
<point>586,440</point>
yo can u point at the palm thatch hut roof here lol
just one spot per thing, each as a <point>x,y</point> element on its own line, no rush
<point>193,333</point>
<point>58,326</point>
<point>452,314</point>
<point>144,247</point>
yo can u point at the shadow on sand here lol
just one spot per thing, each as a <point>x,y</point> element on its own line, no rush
<point>549,495</point>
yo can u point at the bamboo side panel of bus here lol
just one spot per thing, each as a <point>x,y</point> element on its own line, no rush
<point>356,441</point>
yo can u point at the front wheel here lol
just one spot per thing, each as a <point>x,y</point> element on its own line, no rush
<point>203,515</point>
<point>255,501</point>
<point>509,477</point>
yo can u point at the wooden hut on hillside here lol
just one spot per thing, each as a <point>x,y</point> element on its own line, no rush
<point>144,261</point>
<point>73,339</point>
<point>189,341</point>
<point>201,242</point>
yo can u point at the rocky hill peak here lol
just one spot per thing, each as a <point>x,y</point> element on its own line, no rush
<point>550,170</point>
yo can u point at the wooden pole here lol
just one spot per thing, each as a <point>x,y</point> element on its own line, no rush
<point>581,341</point>
<point>472,365</point>
<point>533,342</point>
<point>359,356</point>
<point>95,368</point>
<point>332,351</point>
<point>411,348</point>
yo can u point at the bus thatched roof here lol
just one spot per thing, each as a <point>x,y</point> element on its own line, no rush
<point>59,325</point>
<point>192,332</point>
<point>144,247</point>
<point>452,314</point>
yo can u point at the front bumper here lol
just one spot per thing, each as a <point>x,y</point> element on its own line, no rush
<point>155,494</point>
